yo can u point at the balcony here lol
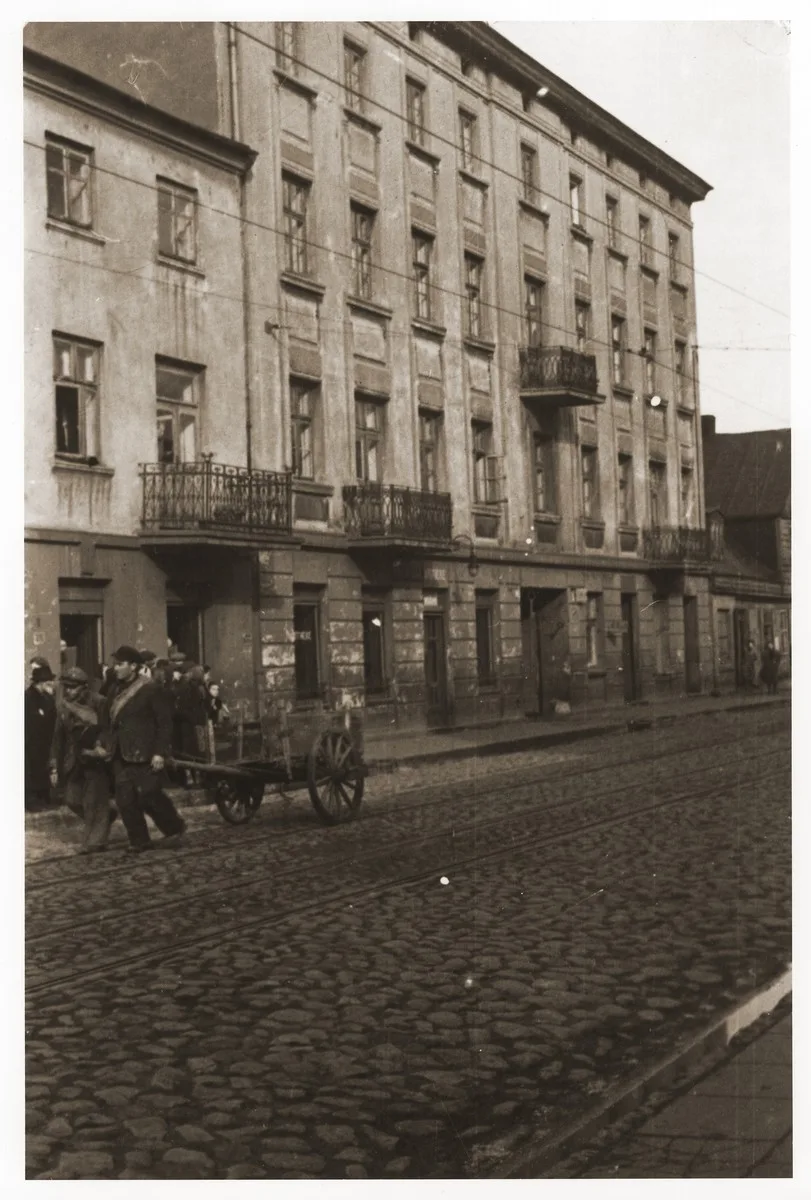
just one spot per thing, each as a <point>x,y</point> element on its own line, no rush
<point>559,375</point>
<point>385,514</point>
<point>205,500</point>
<point>673,546</point>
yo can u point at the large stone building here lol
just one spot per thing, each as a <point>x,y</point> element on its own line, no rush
<point>748,481</point>
<point>398,405</point>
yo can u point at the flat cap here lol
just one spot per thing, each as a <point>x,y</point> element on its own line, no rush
<point>128,654</point>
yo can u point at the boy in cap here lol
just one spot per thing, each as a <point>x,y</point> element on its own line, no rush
<point>141,730</point>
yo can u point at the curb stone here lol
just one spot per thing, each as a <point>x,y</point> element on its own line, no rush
<point>530,1161</point>
<point>198,797</point>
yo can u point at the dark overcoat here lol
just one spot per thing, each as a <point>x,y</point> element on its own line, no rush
<point>40,719</point>
<point>140,722</point>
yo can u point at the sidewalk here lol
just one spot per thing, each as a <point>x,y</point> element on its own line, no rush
<point>386,749</point>
<point>734,1123</point>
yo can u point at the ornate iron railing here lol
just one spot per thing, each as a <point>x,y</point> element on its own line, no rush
<point>675,544</point>
<point>544,368</point>
<point>385,510</point>
<point>209,495</point>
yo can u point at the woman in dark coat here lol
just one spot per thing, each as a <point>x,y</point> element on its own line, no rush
<point>40,718</point>
<point>79,757</point>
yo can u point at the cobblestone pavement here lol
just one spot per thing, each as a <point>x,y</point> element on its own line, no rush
<point>415,994</point>
<point>731,1117</point>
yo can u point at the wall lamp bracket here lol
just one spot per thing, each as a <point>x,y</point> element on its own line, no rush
<point>464,539</point>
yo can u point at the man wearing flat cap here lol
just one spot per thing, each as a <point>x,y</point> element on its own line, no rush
<point>141,731</point>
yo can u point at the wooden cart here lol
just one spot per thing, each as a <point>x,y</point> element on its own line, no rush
<point>320,750</point>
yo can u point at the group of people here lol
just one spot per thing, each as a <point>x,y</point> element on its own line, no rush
<point>769,666</point>
<point>111,747</point>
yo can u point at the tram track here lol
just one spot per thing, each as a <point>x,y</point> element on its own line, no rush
<point>258,836</point>
<point>454,856</point>
<point>481,828</point>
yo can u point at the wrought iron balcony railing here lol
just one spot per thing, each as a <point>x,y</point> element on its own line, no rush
<point>676,544</point>
<point>557,369</point>
<point>209,495</point>
<point>382,510</point>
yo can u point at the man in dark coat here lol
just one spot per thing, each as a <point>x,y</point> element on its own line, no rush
<point>39,709</point>
<point>770,667</point>
<point>79,757</point>
<point>140,735</point>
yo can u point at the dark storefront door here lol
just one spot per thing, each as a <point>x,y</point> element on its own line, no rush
<point>741,628</point>
<point>544,648</point>
<point>436,689</point>
<point>81,635</point>
<point>692,664</point>
<point>183,627</point>
<point>629,673</point>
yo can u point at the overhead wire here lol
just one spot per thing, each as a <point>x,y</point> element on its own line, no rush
<point>335,253</point>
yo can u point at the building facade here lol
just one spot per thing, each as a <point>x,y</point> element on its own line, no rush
<point>417,426</point>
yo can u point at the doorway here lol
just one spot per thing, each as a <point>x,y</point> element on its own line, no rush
<point>629,654</point>
<point>436,678</point>
<point>692,662</point>
<point>741,631</point>
<point>80,634</point>
<point>184,630</point>
<point>544,649</point>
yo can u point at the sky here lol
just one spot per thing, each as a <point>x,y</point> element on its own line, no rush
<point>715,95</point>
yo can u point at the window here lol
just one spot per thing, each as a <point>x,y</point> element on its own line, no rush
<point>67,171</point>
<point>354,70</point>
<point>303,411</point>
<point>415,110</point>
<point>467,139</point>
<point>612,221</point>
<point>680,358</point>
<point>543,473</point>
<point>576,199</point>
<point>644,241</point>
<point>649,358</point>
<point>373,618</point>
<point>594,629</point>
<point>529,173</point>
<point>485,659</point>
<point>618,350</point>
<point>533,311</point>
<point>177,397</point>
<point>295,197</point>
<point>649,302</point>
<point>661,616</point>
<point>657,483</point>
<point>76,388</point>
<point>362,229</point>
<point>430,425</point>
<point>485,479</point>
<point>678,303</point>
<point>421,251</point>
<point>368,441</point>
<point>177,221</point>
<point>724,626</point>
<point>588,470</point>
<point>306,649</point>
<point>582,326</point>
<point>688,496</point>
<point>287,46</point>
<point>625,486</point>
<point>473,292</point>
<point>581,259</point>
<point>673,254</point>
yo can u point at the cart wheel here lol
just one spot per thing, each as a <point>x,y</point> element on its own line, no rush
<point>336,785</point>
<point>237,802</point>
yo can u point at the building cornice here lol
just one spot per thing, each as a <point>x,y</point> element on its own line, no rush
<point>66,85</point>
<point>587,116</point>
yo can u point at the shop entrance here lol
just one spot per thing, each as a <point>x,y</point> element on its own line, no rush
<point>545,649</point>
<point>629,655</point>
<point>81,624</point>
<point>436,678</point>
<point>692,662</point>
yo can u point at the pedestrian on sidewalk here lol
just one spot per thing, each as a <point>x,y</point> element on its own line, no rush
<point>191,716</point>
<point>141,731</point>
<point>770,667</point>
<point>80,757</point>
<point>39,719</point>
<point>750,667</point>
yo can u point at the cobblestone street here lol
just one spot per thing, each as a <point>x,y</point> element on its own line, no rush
<point>470,965</point>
